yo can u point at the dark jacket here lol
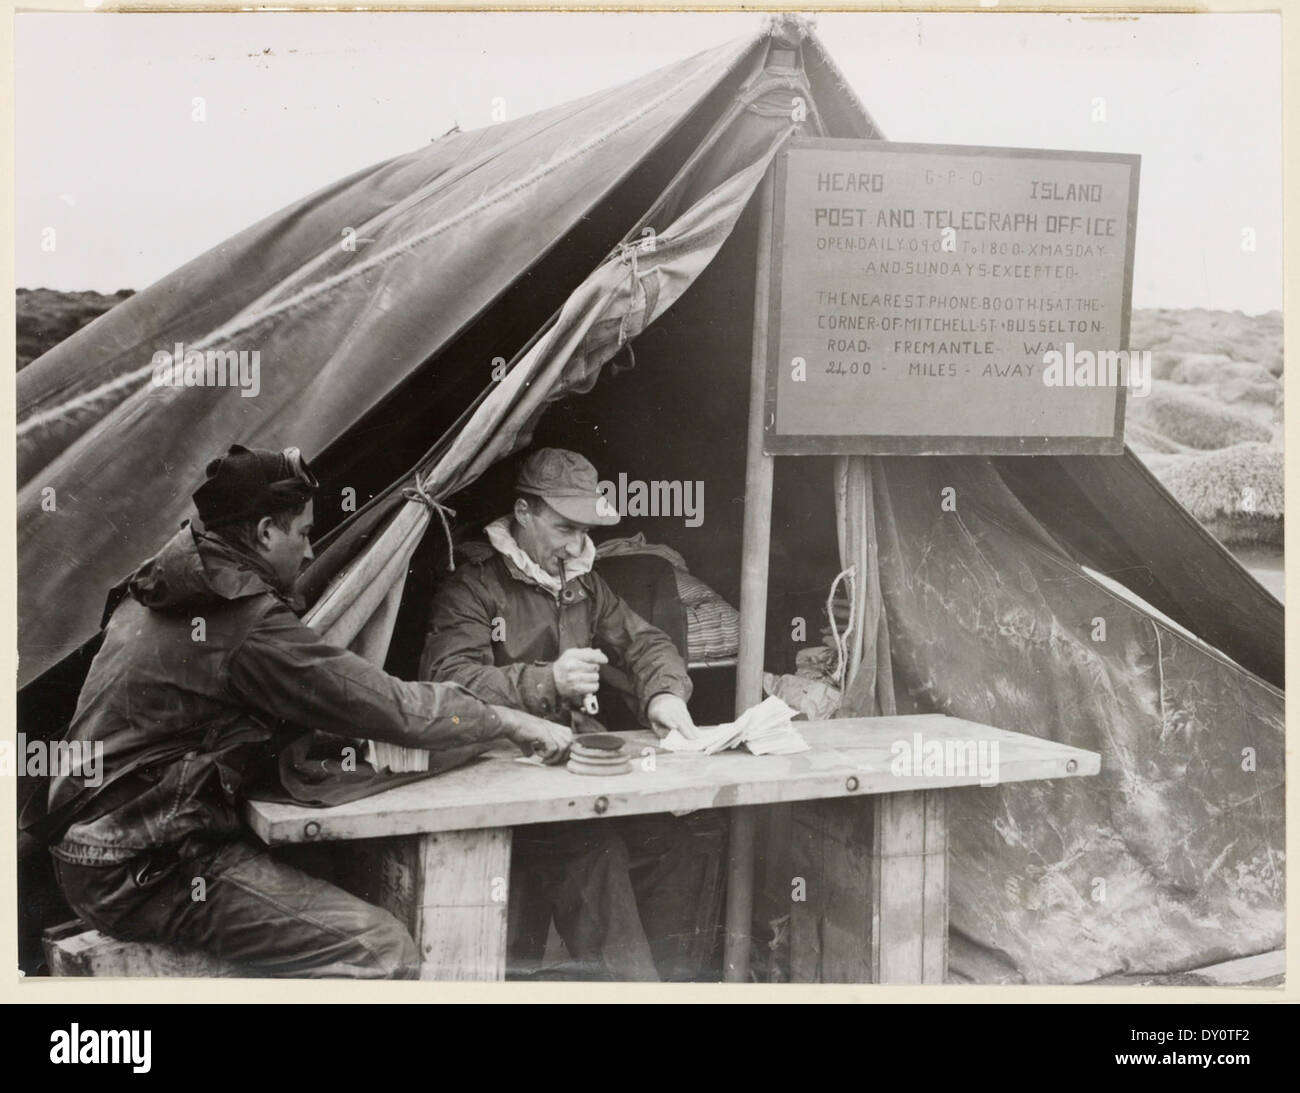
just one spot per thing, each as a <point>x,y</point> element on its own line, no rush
<point>205,670</point>
<point>497,632</point>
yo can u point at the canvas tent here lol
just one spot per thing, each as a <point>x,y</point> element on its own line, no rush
<point>585,276</point>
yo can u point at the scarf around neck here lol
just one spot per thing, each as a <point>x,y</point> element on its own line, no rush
<point>498,534</point>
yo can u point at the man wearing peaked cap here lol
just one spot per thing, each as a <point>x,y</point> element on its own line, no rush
<point>519,625</point>
<point>568,483</point>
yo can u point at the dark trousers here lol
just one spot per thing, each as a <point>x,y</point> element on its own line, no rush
<point>634,898</point>
<point>261,914</point>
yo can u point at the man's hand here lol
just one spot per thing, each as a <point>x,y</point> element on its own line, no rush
<point>577,672</point>
<point>667,712</point>
<point>535,736</point>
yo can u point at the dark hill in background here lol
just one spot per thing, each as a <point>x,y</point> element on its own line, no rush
<point>46,317</point>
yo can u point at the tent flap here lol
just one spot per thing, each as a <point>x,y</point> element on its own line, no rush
<point>612,306</point>
<point>1172,857</point>
<point>335,330</point>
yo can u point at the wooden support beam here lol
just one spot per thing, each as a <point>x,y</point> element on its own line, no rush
<point>909,939</point>
<point>755,548</point>
<point>450,890</point>
<point>740,896</point>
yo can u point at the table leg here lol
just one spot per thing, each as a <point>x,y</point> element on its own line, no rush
<point>740,896</point>
<point>909,892</point>
<point>874,879</point>
<point>450,889</point>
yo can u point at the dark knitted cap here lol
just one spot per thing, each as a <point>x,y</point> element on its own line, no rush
<point>246,483</point>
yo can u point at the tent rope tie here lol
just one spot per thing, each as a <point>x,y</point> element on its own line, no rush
<point>617,369</point>
<point>445,514</point>
<point>849,577</point>
<point>628,253</point>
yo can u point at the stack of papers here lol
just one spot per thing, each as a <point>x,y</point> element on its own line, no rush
<point>764,729</point>
<point>396,758</point>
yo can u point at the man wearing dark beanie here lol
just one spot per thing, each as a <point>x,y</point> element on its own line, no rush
<point>204,673</point>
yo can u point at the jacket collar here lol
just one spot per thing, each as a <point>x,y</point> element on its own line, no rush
<point>234,572</point>
<point>195,569</point>
<point>498,534</point>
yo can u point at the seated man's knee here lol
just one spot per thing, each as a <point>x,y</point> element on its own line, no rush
<point>707,826</point>
<point>605,846</point>
<point>694,833</point>
<point>589,841</point>
<point>394,952</point>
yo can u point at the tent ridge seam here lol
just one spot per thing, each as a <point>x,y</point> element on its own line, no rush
<point>526,181</point>
<point>434,188</point>
<point>241,324</point>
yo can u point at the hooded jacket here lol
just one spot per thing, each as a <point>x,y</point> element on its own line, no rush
<point>205,670</point>
<point>495,629</point>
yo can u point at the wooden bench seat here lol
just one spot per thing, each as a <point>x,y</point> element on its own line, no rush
<point>73,949</point>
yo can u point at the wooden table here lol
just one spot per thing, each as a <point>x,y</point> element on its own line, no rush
<point>870,844</point>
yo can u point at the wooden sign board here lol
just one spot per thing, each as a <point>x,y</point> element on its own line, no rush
<point>915,289</point>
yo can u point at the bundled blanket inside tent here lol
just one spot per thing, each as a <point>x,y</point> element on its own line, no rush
<point>712,624</point>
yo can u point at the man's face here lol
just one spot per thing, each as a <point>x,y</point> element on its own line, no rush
<point>547,537</point>
<point>287,551</point>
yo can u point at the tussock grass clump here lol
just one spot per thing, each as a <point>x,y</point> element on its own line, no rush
<point>1164,363</point>
<point>1266,391</point>
<point>1189,419</point>
<point>1204,368</point>
<point>1144,439</point>
<point>1172,334</point>
<point>1197,367</point>
<point>1237,493</point>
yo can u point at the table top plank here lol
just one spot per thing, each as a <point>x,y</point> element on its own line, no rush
<point>848,757</point>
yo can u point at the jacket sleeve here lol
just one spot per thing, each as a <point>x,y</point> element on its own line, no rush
<point>458,649</point>
<point>647,653</point>
<point>285,670</point>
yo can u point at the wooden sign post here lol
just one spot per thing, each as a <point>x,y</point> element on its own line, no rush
<point>908,300</point>
<point>755,546</point>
